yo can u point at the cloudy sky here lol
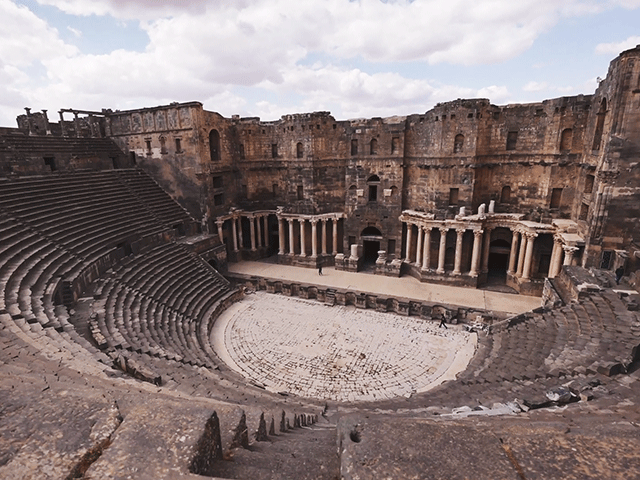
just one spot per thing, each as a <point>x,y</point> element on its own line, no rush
<point>266,58</point>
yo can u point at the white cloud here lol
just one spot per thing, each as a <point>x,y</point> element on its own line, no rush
<point>615,48</point>
<point>533,86</point>
<point>27,38</point>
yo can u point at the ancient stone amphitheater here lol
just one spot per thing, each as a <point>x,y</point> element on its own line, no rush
<point>112,285</point>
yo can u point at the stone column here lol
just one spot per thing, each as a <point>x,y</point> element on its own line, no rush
<point>234,230</point>
<point>292,249</point>
<point>47,127</point>
<point>524,239</point>
<point>528,258</point>
<point>426,251</point>
<point>303,242</point>
<point>219,224</point>
<point>485,249</point>
<point>314,237</point>
<point>252,229</point>
<point>441,251</point>
<point>266,231</point>
<point>259,222</point>
<point>28,110</point>
<point>324,236</point>
<point>335,237</point>
<point>514,251</point>
<point>458,262</point>
<point>76,123</point>
<point>419,247</point>
<point>475,256</point>
<point>281,236</point>
<point>556,258</point>
<point>568,254</point>
<point>64,132</point>
<point>408,252</point>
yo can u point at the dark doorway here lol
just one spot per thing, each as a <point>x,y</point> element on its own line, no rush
<point>371,238</point>
<point>370,252</point>
<point>499,251</point>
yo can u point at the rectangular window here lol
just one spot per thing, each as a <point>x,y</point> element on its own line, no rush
<point>218,199</point>
<point>584,211</point>
<point>391,249</point>
<point>178,145</point>
<point>274,150</point>
<point>395,144</point>
<point>556,197</point>
<point>148,143</point>
<point>373,193</point>
<point>243,190</point>
<point>300,192</point>
<point>217,182</point>
<point>453,196</point>
<point>50,162</point>
<point>605,262</point>
<point>274,189</point>
<point>354,147</point>
<point>242,156</point>
<point>512,140</point>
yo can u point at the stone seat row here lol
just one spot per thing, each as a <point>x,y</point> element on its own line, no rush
<point>29,269</point>
<point>160,303</point>
<point>576,339</point>
<point>156,199</point>
<point>52,197</point>
<point>171,275</point>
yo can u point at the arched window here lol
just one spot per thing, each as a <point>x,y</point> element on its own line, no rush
<point>566,139</point>
<point>214,145</point>
<point>299,150</point>
<point>373,182</point>
<point>458,143</point>
<point>373,147</point>
<point>505,194</point>
<point>602,113</point>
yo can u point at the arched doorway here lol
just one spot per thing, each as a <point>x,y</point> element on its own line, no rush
<point>371,238</point>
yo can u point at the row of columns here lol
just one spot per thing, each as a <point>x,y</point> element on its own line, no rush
<point>561,251</point>
<point>423,249</point>
<point>303,240</point>
<point>259,230</point>
<point>520,257</point>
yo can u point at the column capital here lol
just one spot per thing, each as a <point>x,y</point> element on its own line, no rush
<point>443,230</point>
<point>478,233</point>
<point>460,230</point>
<point>569,249</point>
<point>313,221</point>
<point>530,235</point>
